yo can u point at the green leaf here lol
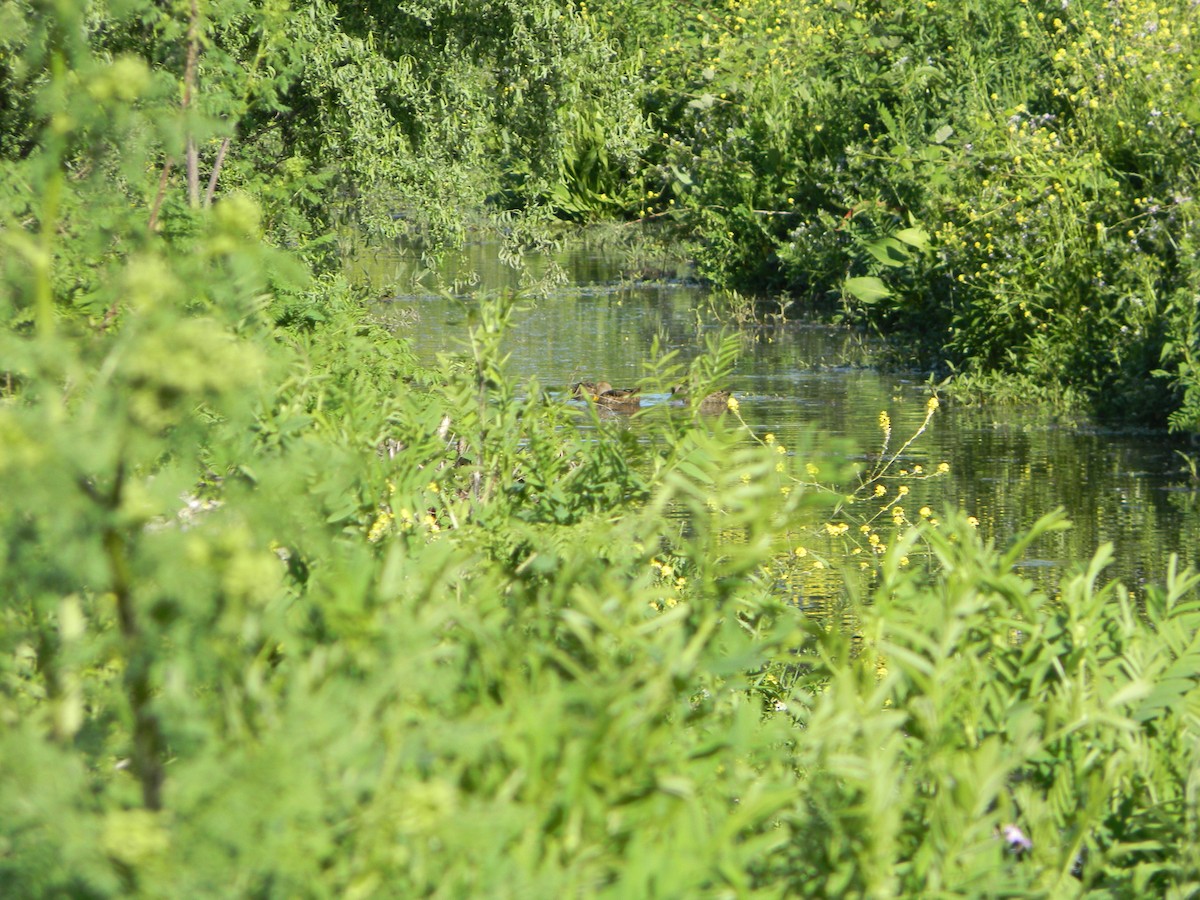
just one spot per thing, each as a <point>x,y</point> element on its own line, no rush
<point>889,121</point>
<point>942,134</point>
<point>915,237</point>
<point>867,288</point>
<point>890,252</point>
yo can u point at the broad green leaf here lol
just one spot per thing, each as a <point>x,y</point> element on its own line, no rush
<point>867,288</point>
<point>914,237</point>
<point>890,252</point>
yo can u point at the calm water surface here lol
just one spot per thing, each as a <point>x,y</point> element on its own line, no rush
<point>814,387</point>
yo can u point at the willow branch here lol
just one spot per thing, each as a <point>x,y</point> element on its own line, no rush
<point>189,88</point>
<point>212,181</point>
<point>149,743</point>
<point>162,192</point>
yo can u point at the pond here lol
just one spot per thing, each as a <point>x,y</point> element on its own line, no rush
<point>814,387</point>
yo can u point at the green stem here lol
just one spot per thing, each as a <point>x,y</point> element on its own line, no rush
<point>51,196</point>
<point>148,742</point>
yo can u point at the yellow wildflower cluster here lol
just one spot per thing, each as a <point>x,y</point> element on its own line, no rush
<point>381,526</point>
<point>1119,56</point>
<point>402,521</point>
<point>864,536</point>
<point>668,576</point>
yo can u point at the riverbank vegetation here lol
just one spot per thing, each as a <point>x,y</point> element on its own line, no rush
<point>287,614</point>
<point>1009,186</point>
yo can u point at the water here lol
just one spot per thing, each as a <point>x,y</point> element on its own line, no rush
<point>814,387</point>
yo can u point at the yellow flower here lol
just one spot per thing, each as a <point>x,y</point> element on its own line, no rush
<point>885,421</point>
<point>433,487</point>
<point>880,490</point>
<point>925,512</point>
<point>812,470</point>
<point>972,521</point>
<point>380,526</point>
<point>800,552</point>
<point>943,468</point>
<point>732,404</point>
<point>769,438</point>
<point>932,404</point>
<point>902,490</point>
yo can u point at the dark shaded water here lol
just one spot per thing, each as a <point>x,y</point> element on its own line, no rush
<point>813,386</point>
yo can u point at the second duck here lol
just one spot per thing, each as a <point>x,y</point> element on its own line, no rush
<point>616,398</point>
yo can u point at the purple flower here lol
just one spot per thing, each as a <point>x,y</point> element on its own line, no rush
<point>1016,839</point>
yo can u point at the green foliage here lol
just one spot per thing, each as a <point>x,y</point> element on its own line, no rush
<point>248,667</point>
<point>509,694</point>
<point>1044,154</point>
<point>390,120</point>
<point>975,702</point>
<point>287,615</point>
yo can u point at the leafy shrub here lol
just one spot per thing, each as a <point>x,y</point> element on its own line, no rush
<point>1010,184</point>
<point>287,615</point>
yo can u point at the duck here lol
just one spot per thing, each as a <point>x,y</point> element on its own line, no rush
<point>716,402</point>
<point>616,398</point>
<point>584,389</point>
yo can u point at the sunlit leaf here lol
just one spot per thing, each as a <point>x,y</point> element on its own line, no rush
<point>866,288</point>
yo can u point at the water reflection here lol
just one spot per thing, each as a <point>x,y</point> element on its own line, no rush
<point>812,387</point>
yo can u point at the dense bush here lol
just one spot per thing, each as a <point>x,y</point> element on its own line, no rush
<point>287,615</point>
<point>247,652</point>
<point>1011,183</point>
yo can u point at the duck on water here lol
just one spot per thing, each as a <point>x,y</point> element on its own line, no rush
<point>715,402</point>
<point>604,394</point>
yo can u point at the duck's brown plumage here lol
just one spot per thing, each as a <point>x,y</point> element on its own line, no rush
<point>617,398</point>
<point>717,401</point>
